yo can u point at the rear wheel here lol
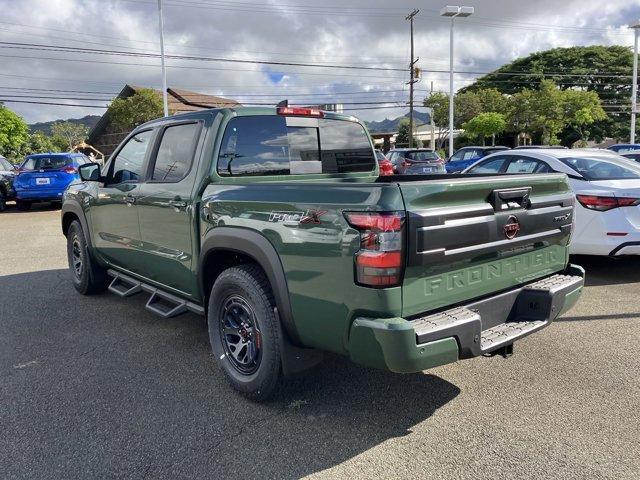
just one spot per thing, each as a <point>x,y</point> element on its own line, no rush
<point>87,276</point>
<point>244,331</point>
<point>23,205</point>
<point>3,200</point>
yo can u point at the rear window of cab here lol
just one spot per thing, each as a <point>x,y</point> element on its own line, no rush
<point>271,145</point>
<point>51,163</point>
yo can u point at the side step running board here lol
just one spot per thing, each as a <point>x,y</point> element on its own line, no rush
<point>124,287</point>
<point>160,302</point>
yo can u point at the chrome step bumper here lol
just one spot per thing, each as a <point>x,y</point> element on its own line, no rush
<point>488,324</point>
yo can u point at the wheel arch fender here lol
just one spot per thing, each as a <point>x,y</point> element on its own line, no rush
<point>70,211</point>
<point>255,246</point>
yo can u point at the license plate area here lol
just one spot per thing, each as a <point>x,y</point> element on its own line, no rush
<point>43,181</point>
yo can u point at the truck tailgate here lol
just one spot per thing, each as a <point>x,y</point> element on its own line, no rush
<point>476,235</point>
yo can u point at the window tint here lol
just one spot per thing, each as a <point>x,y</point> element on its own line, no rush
<point>265,145</point>
<point>490,166</point>
<point>527,165</point>
<point>345,147</point>
<point>175,153</point>
<point>127,166</point>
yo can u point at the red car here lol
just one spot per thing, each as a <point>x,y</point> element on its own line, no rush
<point>386,168</point>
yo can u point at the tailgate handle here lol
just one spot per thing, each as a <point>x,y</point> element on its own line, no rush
<point>510,199</point>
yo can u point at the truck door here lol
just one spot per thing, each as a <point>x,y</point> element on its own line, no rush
<point>114,211</point>
<point>168,215</point>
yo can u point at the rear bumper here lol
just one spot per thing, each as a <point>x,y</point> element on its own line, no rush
<point>40,194</point>
<point>477,328</point>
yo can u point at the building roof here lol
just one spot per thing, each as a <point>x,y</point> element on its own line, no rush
<point>178,100</point>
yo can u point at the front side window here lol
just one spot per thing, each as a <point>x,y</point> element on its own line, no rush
<point>175,153</point>
<point>265,145</point>
<point>127,165</point>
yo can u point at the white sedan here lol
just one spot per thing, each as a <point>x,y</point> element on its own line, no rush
<point>607,188</point>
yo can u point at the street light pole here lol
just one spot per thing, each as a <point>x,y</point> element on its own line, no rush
<point>634,88</point>
<point>453,11</point>
<point>165,103</point>
<point>451,88</point>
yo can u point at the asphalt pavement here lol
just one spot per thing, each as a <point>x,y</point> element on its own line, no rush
<point>98,387</point>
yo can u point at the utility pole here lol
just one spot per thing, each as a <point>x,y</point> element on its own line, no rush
<point>412,80</point>
<point>164,68</point>
<point>634,88</point>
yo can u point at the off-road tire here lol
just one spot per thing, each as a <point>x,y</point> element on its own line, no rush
<point>248,283</point>
<point>89,278</point>
<point>23,205</point>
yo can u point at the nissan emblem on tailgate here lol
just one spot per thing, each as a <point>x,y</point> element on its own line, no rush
<point>512,227</point>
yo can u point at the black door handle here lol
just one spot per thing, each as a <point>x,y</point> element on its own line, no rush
<point>177,204</point>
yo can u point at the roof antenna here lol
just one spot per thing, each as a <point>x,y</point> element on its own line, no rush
<point>283,103</point>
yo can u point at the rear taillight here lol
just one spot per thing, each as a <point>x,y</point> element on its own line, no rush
<point>379,261</point>
<point>602,204</point>
<point>70,169</point>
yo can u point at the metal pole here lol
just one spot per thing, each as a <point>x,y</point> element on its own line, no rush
<point>164,68</point>
<point>634,88</point>
<point>451,89</point>
<point>411,80</point>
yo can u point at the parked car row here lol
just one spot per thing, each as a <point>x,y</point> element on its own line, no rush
<point>607,189</point>
<point>40,178</point>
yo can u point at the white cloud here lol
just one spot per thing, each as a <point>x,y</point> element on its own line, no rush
<point>358,32</point>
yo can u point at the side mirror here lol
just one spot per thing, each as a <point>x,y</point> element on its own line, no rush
<point>89,172</point>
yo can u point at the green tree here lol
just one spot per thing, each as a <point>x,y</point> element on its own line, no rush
<point>484,125</point>
<point>38,142</point>
<point>127,113</point>
<point>73,133</point>
<point>600,69</point>
<point>582,109</point>
<point>13,133</point>
<point>402,140</point>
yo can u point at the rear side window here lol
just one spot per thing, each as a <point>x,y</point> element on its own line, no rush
<point>527,165</point>
<point>175,153</point>
<point>46,163</point>
<point>265,145</point>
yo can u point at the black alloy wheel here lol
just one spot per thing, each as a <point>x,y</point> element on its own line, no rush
<point>240,333</point>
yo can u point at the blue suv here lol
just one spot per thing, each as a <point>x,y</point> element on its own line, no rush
<point>45,176</point>
<point>467,156</point>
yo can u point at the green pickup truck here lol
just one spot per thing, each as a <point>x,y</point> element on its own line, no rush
<point>274,224</point>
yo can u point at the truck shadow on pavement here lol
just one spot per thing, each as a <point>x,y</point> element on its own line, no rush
<point>99,386</point>
<point>601,271</point>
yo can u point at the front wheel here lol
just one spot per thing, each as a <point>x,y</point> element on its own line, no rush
<point>87,276</point>
<point>3,201</point>
<point>244,331</point>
